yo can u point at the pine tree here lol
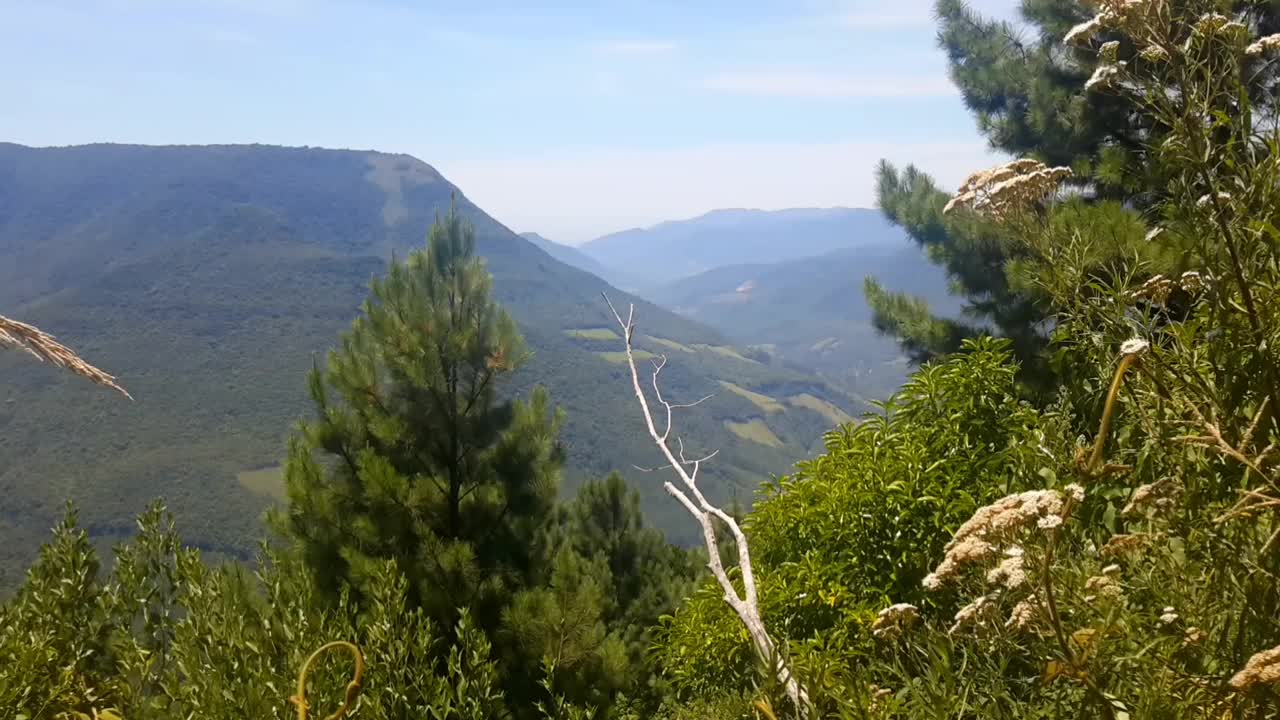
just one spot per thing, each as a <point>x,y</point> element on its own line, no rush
<point>1025,89</point>
<point>413,457</point>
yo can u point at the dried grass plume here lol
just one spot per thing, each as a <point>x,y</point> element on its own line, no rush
<point>43,347</point>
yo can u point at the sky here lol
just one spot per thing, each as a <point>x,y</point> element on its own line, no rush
<point>571,119</point>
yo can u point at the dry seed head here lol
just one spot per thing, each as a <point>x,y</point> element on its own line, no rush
<point>892,620</point>
<point>1134,346</point>
<point>1262,669</point>
<point>1024,614</point>
<point>997,523</point>
<point>42,346</point>
<point>1010,573</point>
<point>1109,52</point>
<point>1192,281</point>
<point>1210,22</point>
<point>1124,544</point>
<point>971,614</point>
<point>1262,45</point>
<point>1049,522</point>
<point>1156,289</point>
<point>1104,77</point>
<point>1083,33</point>
<point>1154,54</point>
<point>1158,496</point>
<point>1014,186</point>
<point>1205,199</point>
<point>1102,585</point>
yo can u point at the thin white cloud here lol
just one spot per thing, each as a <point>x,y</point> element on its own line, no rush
<point>575,195</point>
<point>636,47</point>
<point>825,86</point>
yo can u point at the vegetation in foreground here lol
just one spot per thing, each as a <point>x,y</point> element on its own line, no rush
<point>1110,550</point>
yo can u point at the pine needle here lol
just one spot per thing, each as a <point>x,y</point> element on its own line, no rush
<point>40,344</point>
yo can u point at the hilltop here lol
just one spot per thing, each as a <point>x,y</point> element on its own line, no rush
<point>211,278</point>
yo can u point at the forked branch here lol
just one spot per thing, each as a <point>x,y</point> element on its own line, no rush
<point>745,604</point>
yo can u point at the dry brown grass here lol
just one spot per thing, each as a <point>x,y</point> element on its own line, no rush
<point>40,344</point>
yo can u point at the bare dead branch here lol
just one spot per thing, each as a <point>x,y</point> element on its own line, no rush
<point>745,604</point>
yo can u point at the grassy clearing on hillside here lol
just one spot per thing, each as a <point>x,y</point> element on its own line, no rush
<point>754,430</point>
<point>620,358</point>
<point>764,402</point>
<point>592,334</point>
<point>825,344</point>
<point>726,352</point>
<point>264,481</point>
<point>670,344</point>
<point>820,406</point>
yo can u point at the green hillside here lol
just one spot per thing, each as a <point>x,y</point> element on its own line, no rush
<point>210,278</point>
<point>811,312</point>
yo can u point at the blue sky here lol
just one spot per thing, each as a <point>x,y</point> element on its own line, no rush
<point>571,119</point>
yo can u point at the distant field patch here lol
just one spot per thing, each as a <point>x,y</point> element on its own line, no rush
<point>264,481</point>
<point>754,430</point>
<point>820,406</point>
<point>669,344</point>
<point>764,402</point>
<point>620,358</point>
<point>593,334</point>
<point>726,352</point>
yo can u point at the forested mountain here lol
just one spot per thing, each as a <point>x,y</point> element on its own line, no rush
<point>680,248</point>
<point>812,312</point>
<point>574,257</point>
<point>210,279</point>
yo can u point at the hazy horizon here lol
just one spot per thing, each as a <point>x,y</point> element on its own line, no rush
<point>572,122</point>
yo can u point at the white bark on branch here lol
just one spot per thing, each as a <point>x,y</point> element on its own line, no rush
<point>746,604</point>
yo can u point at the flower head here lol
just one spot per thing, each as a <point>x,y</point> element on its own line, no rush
<point>1262,45</point>
<point>1262,669</point>
<point>891,620</point>
<point>1134,346</point>
<point>1002,190</point>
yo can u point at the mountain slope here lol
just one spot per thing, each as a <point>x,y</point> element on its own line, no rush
<point>576,258</point>
<point>811,312</point>
<point>682,248</point>
<point>210,278</point>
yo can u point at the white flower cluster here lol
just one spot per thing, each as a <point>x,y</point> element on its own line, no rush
<point>1262,45</point>
<point>1134,346</point>
<point>891,621</point>
<point>1158,288</point>
<point>1111,14</point>
<point>1013,186</point>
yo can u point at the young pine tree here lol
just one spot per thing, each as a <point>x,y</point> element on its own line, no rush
<point>1026,88</point>
<point>412,457</point>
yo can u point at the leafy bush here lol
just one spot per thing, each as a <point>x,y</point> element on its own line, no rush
<point>863,522</point>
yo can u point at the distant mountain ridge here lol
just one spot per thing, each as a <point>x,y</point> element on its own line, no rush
<point>811,311</point>
<point>574,257</point>
<point>210,278</point>
<point>680,248</point>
